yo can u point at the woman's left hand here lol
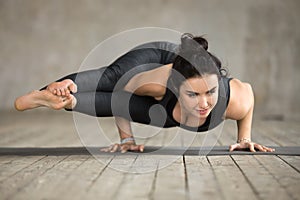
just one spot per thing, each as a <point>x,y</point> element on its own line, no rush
<point>250,145</point>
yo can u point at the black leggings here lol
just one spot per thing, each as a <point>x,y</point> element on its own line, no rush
<point>99,91</point>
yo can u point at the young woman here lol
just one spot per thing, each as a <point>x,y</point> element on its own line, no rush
<point>160,84</point>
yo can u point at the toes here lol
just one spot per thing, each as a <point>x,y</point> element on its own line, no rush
<point>62,91</point>
<point>73,87</point>
<point>58,92</point>
<point>67,92</point>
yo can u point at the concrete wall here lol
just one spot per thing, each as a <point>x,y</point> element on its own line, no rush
<point>257,40</point>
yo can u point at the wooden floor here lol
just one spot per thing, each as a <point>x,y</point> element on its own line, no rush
<point>84,176</point>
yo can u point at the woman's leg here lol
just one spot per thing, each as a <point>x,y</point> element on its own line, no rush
<point>86,81</point>
<point>141,109</point>
<point>103,79</point>
<point>143,58</point>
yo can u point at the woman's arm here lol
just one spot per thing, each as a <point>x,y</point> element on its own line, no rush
<point>240,108</point>
<point>127,140</point>
<point>150,83</point>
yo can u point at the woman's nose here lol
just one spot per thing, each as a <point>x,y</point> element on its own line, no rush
<point>203,102</point>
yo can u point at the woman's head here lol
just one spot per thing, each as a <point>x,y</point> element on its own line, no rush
<point>193,60</point>
<point>199,95</point>
<point>195,76</point>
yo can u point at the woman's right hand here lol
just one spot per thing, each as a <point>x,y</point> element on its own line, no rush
<point>129,146</point>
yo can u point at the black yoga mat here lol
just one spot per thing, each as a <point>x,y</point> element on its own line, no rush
<point>151,150</point>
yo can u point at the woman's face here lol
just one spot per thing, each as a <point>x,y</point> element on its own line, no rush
<point>199,95</point>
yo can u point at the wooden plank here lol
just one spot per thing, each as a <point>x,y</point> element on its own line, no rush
<point>139,185</point>
<point>262,136</point>
<point>170,181</point>
<point>287,177</point>
<point>278,132</point>
<point>153,136</point>
<point>71,184</point>
<point>45,130</point>
<point>173,137</point>
<point>84,177</point>
<point>13,167</point>
<point>259,134</point>
<point>22,178</point>
<point>201,180</point>
<point>230,179</point>
<point>294,161</point>
<point>107,185</point>
<point>190,138</point>
<point>262,181</point>
<point>212,137</point>
<point>19,135</point>
<point>229,133</point>
<point>49,178</point>
<point>60,135</point>
<point>6,159</point>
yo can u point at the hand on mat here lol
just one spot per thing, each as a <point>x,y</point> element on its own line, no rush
<point>124,147</point>
<point>63,88</point>
<point>250,145</point>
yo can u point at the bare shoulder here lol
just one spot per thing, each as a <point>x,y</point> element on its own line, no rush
<point>241,99</point>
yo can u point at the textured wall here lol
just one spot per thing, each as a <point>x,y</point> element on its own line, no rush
<point>257,40</point>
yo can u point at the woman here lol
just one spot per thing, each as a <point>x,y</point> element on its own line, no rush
<point>161,84</point>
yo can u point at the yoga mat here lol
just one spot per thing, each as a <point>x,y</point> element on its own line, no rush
<point>151,150</point>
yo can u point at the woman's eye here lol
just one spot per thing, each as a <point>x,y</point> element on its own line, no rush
<point>192,95</point>
<point>211,92</point>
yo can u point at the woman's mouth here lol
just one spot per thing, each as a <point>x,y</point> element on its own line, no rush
<point>203,111</point>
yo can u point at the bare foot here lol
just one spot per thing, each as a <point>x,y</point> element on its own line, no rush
<point>44,98</point>
<point>63,88</point>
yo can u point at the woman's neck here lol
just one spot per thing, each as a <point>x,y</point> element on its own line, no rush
<point>186,118</point>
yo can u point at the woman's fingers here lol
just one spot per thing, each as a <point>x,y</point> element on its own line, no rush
<point>260,147</point>
<point>264,148</point>
<point>233,147</point>
<point>137,148</point>
<point>123,148</point>
<point>251,146</point>
<point>115,148</point>
<point>111,148</point>
<point>132,147</point>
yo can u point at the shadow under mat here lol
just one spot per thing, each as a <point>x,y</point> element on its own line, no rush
<point>151,150</point>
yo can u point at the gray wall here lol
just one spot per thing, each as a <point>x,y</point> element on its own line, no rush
<point>257,40</point>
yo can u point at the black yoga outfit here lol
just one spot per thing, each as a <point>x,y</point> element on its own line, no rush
<point>100,91</point>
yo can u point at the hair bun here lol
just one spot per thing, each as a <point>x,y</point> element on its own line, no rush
<point>190,44</point>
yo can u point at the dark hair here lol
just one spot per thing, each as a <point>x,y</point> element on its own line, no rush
<point>193,60</point>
